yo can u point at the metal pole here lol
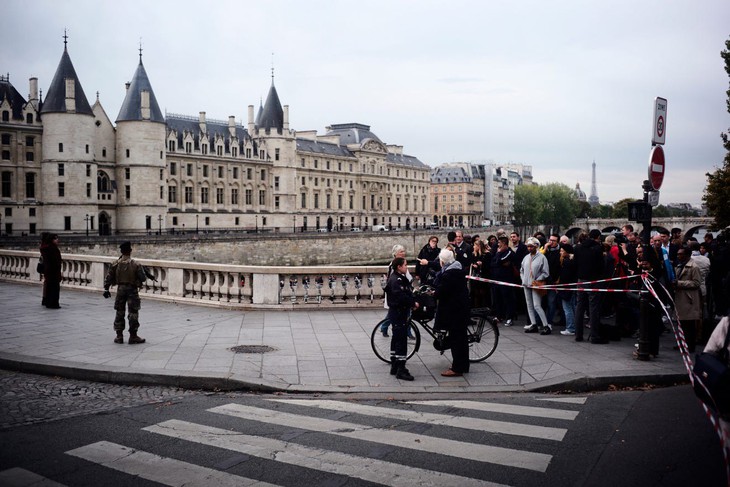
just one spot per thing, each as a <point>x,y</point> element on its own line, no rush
<point>87,224</point>
<point>644,331</point>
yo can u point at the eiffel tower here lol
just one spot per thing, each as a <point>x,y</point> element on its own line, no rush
<point>593,198</point>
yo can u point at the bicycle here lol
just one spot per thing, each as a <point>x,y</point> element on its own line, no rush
<point>482,332</point>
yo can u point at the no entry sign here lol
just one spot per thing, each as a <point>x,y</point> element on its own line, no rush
<point>660,121</point>
<point>656,167</point>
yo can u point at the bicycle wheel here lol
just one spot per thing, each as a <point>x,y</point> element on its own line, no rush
<point>483,337</point>
<point>381,344</point>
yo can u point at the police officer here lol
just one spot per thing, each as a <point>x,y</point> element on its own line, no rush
<point>128,275</point>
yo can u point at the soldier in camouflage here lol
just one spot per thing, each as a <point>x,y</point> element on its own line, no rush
<point>128,275</point>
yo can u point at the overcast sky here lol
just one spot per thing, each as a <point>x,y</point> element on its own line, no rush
<point>554,85</point>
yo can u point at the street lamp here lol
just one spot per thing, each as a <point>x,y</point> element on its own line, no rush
<point>87,224</point>
<point>197,218</point>
<point>159,219</point>
<point>257,224</point>
<point>294,228</point>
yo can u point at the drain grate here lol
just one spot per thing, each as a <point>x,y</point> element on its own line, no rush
<point>252,349</point>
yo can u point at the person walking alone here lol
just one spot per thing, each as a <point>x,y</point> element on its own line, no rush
<point>400,302</point>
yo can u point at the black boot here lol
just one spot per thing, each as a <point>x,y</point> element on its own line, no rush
<point>403,373</point>
<point>119,338</point>
<point>393,367</point>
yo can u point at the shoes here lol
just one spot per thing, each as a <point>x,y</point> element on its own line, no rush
<point>567,333</point>
<point>532,328</point>
<point>135,339</point>
<point>385,333</point>
<point>119,339</point>
<point>599,340</point>
<point>403,374</point>
<point>451,373</point>
<point>546,330</point>
<point>507,323</point>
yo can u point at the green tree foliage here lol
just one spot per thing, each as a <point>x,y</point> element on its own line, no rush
<point>621,208</point>
<point>717,192</point>
<point>553,205</point>
<point>528,206</point>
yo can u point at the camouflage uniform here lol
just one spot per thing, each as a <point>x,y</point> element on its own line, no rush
<point>128,275</point>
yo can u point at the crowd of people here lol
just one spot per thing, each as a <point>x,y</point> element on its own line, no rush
<point>691,280</point>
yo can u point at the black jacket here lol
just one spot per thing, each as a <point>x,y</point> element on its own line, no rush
<point>503,266</point>
<point>589,260</point>
<point>432,256</point>
<point>553,257</point>
<point>400,298</point>
<point>453,298</point>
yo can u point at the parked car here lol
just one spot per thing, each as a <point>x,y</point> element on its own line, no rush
<point>380,228</point>
<point>322,230</point>
<point>356,229</point>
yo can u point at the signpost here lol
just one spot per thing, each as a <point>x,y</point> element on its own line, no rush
<point>660,121</point>
<point>656,167</point>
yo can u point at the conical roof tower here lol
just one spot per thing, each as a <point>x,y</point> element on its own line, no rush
<point>65,95</point>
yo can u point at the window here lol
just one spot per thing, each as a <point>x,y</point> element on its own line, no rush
<point>188,147</point>
<point>88,190</point>
<point>219,150</point>
<point>67,223</point>
<point>249,197</point>
<point>276,202</point>
<point>127,153</point>
<point>237,221</point>
<point>276,182</point>
<point>6,155</point>
<point>234,196</point>
<point>303,180</point>
<point>249,174</point>
<point>220,172</point>
<point>248,153</point>
<point>29,141</point>
<point>316,164</point>
<point>172,194</point>
<point>103,152</point>
<point>234,151</point>
<point>174,220</point>
<point>339,201</point>
<point>235,173</point>
<point>87,148</point>
<point>204,196</point>
<point>162,192</point>
<point>352,202</point>
<point>8,212</point>
<point>302,162</point>
<point>205,170</point>
<point>204,148</point>
<point>127,173</point>
<point>188,194</point>
<point>60,147</point>
<point>316,181</point>
<point>30,186</point>
<point>162,174</point>
<point>61,169</point>
<point>316,200</point>
<point>88,170</point>
<point>276,154</point>
<point>6,139</point>
<point>171,145</point>
<point>263,175</point>
<point>304,200</point>
<point>207,221</point>
<point>339,166</point>
<point>31,226</point>
<point>6,184</point>
<point>219,196</point>
<point>329,201</point>
<point>29,119</point>
<point>189,169</point>
<point>61,189</point>
<point>262,155</point>
<point>128,192</point>
<point>262,197</point>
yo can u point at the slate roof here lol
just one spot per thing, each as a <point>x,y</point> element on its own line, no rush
<point>17,102</point>
<point>55,101</point>
<point>131,107</point>
<point>449,175</point>
<point>324,148</point>
<point>405,160</point>
<point>352,133</point>
<point>181,124</point>
<point>273,115</point>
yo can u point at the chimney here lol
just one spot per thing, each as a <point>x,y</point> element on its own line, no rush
<point>202,122</point>
<point>33,89</point>
<point>286,117</point>
<point>126,85</point>
<point>250,120</point>
<point>145,104</point>
<point>70,95</point>
<point>232,125</point>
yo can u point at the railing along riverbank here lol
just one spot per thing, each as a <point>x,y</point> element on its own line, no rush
<point>234,286</point>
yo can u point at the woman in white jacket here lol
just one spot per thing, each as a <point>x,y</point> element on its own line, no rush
<point>535,268</point>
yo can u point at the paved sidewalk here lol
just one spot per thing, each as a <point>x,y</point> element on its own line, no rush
<point>314,350</point>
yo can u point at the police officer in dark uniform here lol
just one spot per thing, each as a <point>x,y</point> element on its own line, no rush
<point>128,275</point>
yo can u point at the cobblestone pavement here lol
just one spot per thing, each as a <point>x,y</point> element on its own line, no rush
<point>28,399</point>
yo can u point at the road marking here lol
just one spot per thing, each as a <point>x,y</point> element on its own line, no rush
<point>441,446</point>
<point>477,424</point>
<point>569,400</point>
<point>369,469</point>
<point>167,471</point>
<point>505,408</point>
<point>19,477</point>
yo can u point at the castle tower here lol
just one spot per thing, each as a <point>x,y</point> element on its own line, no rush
<point>141,165</point>
<point>68,169</point>
<point>593,198</point>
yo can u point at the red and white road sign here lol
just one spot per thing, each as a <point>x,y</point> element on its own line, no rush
<point>660,121</point>
<point>656,167</point>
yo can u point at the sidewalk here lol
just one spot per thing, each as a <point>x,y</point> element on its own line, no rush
<point>312,351</point>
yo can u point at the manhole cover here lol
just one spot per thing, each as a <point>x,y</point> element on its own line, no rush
<point>252,349</point>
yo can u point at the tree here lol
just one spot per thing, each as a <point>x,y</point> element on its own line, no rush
<point>559,205</point>
<point>621,208</point>
<point>717,192</point>
<point>528,206</point>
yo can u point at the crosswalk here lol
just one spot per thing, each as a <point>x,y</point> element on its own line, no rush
<point>364,441</point>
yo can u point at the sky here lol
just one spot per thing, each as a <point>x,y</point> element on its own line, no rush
<point>555,85</point>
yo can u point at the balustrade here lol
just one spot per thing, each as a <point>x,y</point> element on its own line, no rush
<point>218,284</point>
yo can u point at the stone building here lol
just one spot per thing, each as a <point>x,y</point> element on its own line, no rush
<point>66,167</point>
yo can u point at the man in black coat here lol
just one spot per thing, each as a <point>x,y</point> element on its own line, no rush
<point>463,252</point>
<point>589,263</point>
<point>452,312</point>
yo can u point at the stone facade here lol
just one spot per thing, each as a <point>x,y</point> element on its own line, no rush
<point>66,168</point>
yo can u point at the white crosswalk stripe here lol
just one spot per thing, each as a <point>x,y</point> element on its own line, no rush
<point>159,469</point>
<point>477,424</point>
<point>373,470</point>
<point>442,446</point>
<point>504,408</point>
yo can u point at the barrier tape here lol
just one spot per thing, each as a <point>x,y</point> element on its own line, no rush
<point>565,287</point>
<point>710,412</point>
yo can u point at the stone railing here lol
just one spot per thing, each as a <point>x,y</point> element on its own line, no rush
<point>218,284</point>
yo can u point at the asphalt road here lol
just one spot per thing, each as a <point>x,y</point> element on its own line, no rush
<point>81,433</point>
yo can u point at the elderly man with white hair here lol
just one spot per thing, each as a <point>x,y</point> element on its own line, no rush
<point>533,271</point>
<point>452,311</point>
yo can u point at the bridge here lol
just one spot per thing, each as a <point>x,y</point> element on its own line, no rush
<point>690,225</point>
